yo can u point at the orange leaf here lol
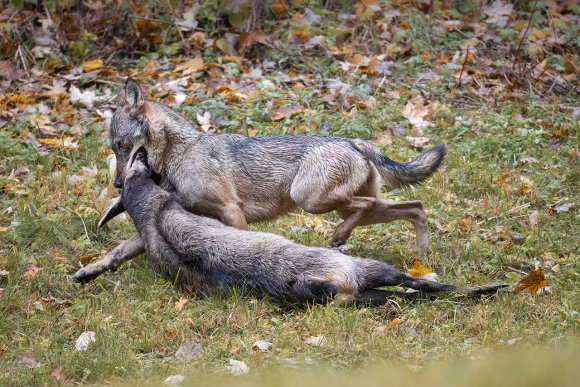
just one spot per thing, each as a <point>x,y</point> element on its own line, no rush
<point>56,374</point>
<point>418,270</point>
<point>533,283</point>
<point>180,303</point>
<point>382,329</point>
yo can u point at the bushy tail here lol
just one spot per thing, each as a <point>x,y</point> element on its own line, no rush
<point>403,174</point>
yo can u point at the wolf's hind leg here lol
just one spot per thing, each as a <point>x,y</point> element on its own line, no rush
<point>385,212</point>
<point>111,262</point>
<point>358,209</point>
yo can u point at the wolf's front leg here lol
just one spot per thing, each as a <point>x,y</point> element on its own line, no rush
<point>111,262</point>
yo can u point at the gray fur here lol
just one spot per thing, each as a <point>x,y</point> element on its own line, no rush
<point>240,180</point>
<point>203,255</point>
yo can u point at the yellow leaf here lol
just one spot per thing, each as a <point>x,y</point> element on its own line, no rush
<point>533,283</point>
<point>92,65</point>
<point>57,142</point>
<point>418,270</point>
<point>180,303</point>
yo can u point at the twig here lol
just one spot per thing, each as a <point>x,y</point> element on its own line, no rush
<point>551,20</point>
<point>82,220</point>
<point>462,33</point>
<point>163,21</point>
<point>185,45</point>
<point>22,59</point>
<point>517,53</point>
<point>517,270</point>
<point>463,67</point>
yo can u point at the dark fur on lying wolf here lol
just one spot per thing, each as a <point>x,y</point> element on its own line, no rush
<point>204,255</point>
<point>240,180</point>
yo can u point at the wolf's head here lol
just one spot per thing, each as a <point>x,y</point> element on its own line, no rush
<point>129,129</point>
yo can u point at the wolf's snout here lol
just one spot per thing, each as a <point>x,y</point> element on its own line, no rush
<point>118,182</point>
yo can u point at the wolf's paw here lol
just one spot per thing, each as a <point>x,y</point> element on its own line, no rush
<point>87,274</point>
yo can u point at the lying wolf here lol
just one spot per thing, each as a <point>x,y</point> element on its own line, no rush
<point>239,179</point>
<point>203,255</point>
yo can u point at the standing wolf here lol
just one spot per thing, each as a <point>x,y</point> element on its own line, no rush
<point>240,180</point>
<point>204,255</point>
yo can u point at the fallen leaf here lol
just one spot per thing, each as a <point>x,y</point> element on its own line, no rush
<point>191,66</point>
<point>562,208</point>
<point>382,138</point>
<point>31,272</point>
<point>28,360</point>
<point>418,270</point>
<point>416,111</point>
<point>367,102</point>
<point>174,379</point>
<point>84,340</point>
<point>314,41</point>
<point>533,217</point>
<point>262,345</point>
<point>287,112</point>
<point>337,87</point>
<point>418,142</point>
<point>534,283</point>
<point>247,40</point>
<point>382,329</point>
<point>204,121</point>
<point>238,367</point>
<point>180,303</point>
<point>314,341</point>
<point>503,182</point>
<point>91,65</point>
<point>465,223</point>
<point>4,273</point>
<point>89,98</point>
<point>187,351</point>
<point>56,374</point>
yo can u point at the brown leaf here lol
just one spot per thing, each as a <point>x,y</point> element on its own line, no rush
<point>534,283</point>
<point>382,138</point>
<point>465,223</point>
<point>247,40</point>
<point>190,66</point>
<point>31,272</point>
<point>56,374</point>
<point>416,111</point>
<point>367,102</point>
<point>287,112</point>
<point>86,258</point>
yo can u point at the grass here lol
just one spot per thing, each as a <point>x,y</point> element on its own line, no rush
<point>138,329</point>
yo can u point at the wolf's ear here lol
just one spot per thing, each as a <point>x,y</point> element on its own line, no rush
<point>134,97</point>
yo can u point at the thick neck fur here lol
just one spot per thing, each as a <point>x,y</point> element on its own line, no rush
<point>169,135</point>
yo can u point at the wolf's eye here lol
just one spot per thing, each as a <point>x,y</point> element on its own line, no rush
<point>120,146</point>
